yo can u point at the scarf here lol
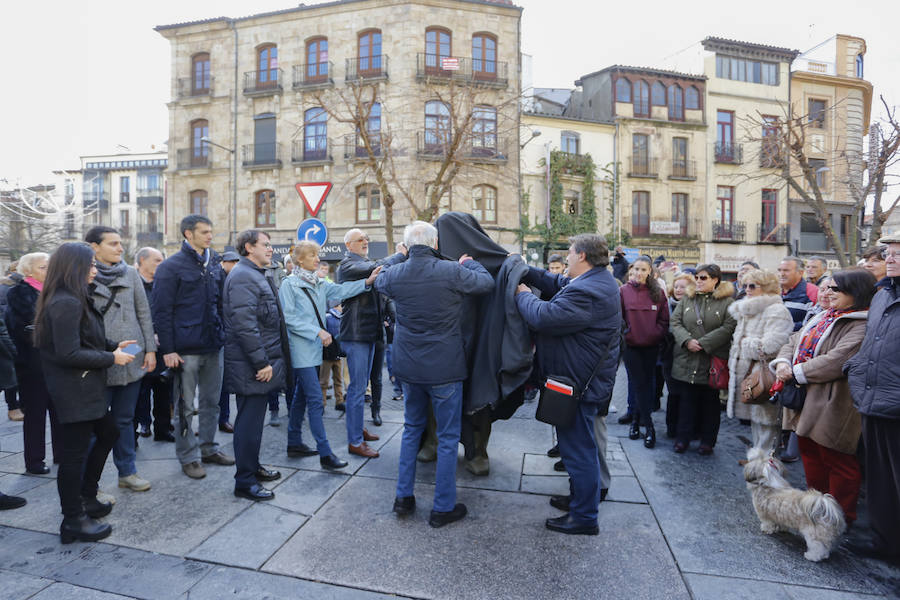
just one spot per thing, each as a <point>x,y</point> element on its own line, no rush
<point>38,285</point>
<point>106,274</point>
<point>309,277</point>
<point>807,348</point>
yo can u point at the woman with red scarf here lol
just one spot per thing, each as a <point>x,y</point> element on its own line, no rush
<point>828,426</point>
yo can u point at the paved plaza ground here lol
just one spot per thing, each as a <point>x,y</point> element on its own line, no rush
<point>673,526</point>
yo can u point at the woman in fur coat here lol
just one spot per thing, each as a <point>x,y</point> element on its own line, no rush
<point>763,327</point>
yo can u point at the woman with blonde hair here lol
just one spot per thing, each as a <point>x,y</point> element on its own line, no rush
<point>763,327</point>
<point>304,300</point>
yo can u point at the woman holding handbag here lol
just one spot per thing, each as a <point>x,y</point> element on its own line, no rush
<point>828,426</point>
<point>702,328</point>
<point>763,327</point>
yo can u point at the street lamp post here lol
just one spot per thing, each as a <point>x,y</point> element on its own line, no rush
<point>233,216</point>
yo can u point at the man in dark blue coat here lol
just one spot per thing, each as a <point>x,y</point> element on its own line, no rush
<point>577,336</point>
<point>429,359</point>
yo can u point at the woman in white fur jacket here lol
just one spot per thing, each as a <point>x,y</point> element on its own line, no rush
<point>763,327</point>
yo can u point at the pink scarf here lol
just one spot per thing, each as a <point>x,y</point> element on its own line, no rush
<point>38,285</point>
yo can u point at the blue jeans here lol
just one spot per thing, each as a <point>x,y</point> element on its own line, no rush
<point>578,450</point>
<point>359,363</point>
<point>446,401</point>
<point>248,426</point>
<point>389,359</point>
<point>307,397</point>
<point>122,399</point>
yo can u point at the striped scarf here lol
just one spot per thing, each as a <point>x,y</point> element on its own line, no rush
<point>807,348</point>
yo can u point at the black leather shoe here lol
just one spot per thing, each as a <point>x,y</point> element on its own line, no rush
<point>405,506</point>
<point>163,436</point>
<point>625,419</point>
<point>82,528</point>
<point>603,493</point>
<point>11,502</point>
<point>40,469</point>
<point>559,466</point>
<point>264,474</point>
<point>376,416</point>
<point>650,437</point>
<point>332,462</point>
<point>553,452</point>
<point>254,492</point>
<point>340,407</point>
<point>94,508</point>
<point>565,524</point>
<point>439,519</point>
<point>560,502</point>
<point>300,450</point>
<point>635,431</point>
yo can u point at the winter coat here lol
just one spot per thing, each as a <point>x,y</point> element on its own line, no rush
<point>7,359</point>
<point>333,326</point>
<point>302,324</point>
<point>428,293</point>
<point>75,359</point>
<point>128,318</point>
<point>799,300</point>
<point>646,321</point>
<point>21,304</point>
<point>6,284</point>
<point>187,302</point>
<point>763,327</point>
<point>578,329</point>
<point>874,373</point>
<point>693,367</point>
<point>256,335</point>
<point>828,416</point>
<point>362,320</point>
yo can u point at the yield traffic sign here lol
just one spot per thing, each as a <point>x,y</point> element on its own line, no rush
<point>313,194</point>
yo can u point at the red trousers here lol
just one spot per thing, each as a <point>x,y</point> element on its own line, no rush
<point>832,472</point>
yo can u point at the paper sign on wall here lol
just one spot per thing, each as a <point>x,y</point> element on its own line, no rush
<point>313,194</point>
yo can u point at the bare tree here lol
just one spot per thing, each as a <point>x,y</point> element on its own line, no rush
<point>884,156</point>
<point>27,223</point>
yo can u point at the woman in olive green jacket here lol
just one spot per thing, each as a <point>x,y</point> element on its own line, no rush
<point>702,327</point>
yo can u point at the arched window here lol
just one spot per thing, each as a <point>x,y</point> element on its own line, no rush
<point>437,47</point>
<point>315,134</point>
<point>368,53</point>
<point>641,99</point>
<point>368,203</point>
<point>267,65</point>
<point>437,126</point>
<point>676,103</point>
<point>658,94</point>
<point>199,203</point>
<point>484,130</point>
<point>200,74</point>
<point>265,208</point>
<point>317,59</point>
<point>484,203</point>
<point>692,98</point>
<point>623,90</point>
<point>199,149</point>
<point>484,56</point>
<point>859,66</point>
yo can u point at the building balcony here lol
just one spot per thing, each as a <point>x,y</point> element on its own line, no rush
<point>642,166</point>
<point>261,156</point>
<point>312,152</point>
<point>443,69</point>
<point>263,83</point>
<point>672,230</point>
<point>773,234</point>
<point>685,170</point>
<point>729,153</point>
<point>483,148</point>
<point>313,76</point>
<point>355,146</point>
<point>370,68</point>
<point>150,198</point>
<point>188,87</point>
<point>149,234</point>
<point>95,200</point>
<point>729,232</point>
<point>194,158</point>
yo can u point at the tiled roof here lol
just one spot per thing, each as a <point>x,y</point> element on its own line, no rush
<point>644,70</point>
<point>786,53</point>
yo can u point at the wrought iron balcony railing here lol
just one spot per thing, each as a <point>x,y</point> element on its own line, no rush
<point>642,166</point>
<point>735,231</point>
<point>729,153</point>
<point>683,169</point>
<point>194,158</point>
<point>190,87</point>
<point>315,149</point>
<point>461,69</point>
<point>313,75</point>
<point>261,155</point>
<point>773,234</point>
<point>261,83</point>
<point>367,67</point>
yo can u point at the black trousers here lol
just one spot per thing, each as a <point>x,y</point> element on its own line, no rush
<point>162,404</point>
<point>36,403</point>
<point>698,407</point>
<point>81,463</point>
<point>881,439</point>
<point>248,427</point>
<point>12,398</point>
<point>640,363</point>
<point>375,375</point>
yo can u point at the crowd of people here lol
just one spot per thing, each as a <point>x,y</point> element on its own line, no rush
<point>108,351</point>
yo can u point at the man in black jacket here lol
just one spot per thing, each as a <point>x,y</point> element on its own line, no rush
<point>256,357</point>
<point>362,324</point>
<point>187,314</point>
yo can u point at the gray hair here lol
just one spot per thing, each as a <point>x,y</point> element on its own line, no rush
<point>351,232</point>
<point>420,233</point>
<point>797,261</point>
<point>143,254</point>
<point>28,262</point>
<point>594,246</point>
<point>821,260</point>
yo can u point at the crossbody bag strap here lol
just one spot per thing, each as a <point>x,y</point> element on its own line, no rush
<point>613,342</point>
<point>109,303</point>
<point>699,318</point>
<point>315,308</point>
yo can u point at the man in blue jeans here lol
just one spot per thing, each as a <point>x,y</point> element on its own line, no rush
<point>429,359</point>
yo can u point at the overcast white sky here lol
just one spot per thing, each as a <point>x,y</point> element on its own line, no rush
<point>83,77</point>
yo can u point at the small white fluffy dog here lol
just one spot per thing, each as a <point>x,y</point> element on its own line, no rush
<point>814,515</point>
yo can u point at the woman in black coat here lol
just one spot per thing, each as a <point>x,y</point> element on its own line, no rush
<point>74,360</point>
<point>21,301</point>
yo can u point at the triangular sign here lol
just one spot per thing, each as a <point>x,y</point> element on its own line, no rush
<point>313,194</point>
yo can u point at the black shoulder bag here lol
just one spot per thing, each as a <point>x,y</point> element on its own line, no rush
<point>327,351</point>
<point>560,395</point>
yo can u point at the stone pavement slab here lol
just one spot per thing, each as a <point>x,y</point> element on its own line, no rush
<point>501,550</point>
<point>19,586</point>
<point>65,591</point>
<point>14,484</point>
<point>35,553</point>
<point>305,492</point>
<point>706,587</point>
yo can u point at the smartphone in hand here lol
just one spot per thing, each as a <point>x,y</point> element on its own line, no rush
<point>131,349</point>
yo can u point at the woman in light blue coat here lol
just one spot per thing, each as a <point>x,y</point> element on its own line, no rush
<point>304,300</point>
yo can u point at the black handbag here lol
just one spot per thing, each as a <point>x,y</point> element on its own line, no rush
<point>792,395</point>
<point>560,396</point>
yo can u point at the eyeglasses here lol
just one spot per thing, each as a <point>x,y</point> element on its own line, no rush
<point>702,277</point>
<point>834,288</point>
<point>885,254</point>
<point>751,286</point>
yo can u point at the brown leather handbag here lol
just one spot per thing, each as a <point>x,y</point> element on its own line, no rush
<point>755,386</point>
